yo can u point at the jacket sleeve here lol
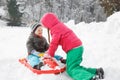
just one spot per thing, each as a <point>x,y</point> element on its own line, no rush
<point>53,45</point>
<point>29,45</point>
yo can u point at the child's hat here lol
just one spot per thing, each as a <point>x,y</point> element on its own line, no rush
<point>34,26</point>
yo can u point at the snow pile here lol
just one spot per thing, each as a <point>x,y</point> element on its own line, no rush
<point>100,41</point>
<point>2,23</point>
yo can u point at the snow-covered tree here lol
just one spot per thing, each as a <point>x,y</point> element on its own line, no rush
<point>88,11</point>
<point>78,10</point>
<point>110,6</point>
<point>14,14</point>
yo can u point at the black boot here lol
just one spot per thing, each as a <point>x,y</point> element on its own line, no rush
<point>38,66</point>
<point>95,78</point>
<point>100,73</point>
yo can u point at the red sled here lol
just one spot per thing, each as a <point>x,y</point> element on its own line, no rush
<point>50,62</point>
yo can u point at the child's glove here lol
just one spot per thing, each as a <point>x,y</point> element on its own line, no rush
<point>34,52</point>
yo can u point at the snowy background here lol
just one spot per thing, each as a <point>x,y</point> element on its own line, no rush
<point>101,42</point>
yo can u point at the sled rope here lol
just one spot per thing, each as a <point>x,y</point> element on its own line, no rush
<point>60,76</point>
<point>48,35</point>
<point>49,42</point>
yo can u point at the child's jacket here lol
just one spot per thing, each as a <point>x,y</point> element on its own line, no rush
<point>36,43</point>
<point>61,34</point>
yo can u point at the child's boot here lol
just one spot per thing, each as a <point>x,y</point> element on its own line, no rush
<point>100,73</point>
<point>38,66</point>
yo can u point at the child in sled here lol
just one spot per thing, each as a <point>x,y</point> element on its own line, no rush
<point>36,46</point>
<point>72,45</point>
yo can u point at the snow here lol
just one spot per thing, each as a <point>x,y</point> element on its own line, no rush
<point>2,23</point>
<point>100,41</point>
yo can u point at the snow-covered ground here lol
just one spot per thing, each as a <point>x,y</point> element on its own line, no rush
<point>101,43</point>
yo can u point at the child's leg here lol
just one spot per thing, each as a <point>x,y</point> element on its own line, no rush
<point>33,60</point>
<point>77,72</point>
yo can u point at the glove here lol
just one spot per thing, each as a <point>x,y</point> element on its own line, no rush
<point>34,52</point>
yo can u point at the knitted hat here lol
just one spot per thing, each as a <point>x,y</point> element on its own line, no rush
<point>34,26</point>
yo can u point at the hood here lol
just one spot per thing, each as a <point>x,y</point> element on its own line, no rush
<point>49,20</point>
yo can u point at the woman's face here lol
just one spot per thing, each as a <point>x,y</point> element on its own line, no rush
<point>38,31</point>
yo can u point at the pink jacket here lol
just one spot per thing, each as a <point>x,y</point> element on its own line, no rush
<point>61,34</point>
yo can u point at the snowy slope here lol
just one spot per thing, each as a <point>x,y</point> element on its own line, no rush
<point>101,48</point>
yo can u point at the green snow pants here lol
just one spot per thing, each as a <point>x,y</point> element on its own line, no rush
<point>77,72</point>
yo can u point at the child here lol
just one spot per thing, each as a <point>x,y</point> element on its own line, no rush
<point>72,45</point>
<point>36,46</point>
